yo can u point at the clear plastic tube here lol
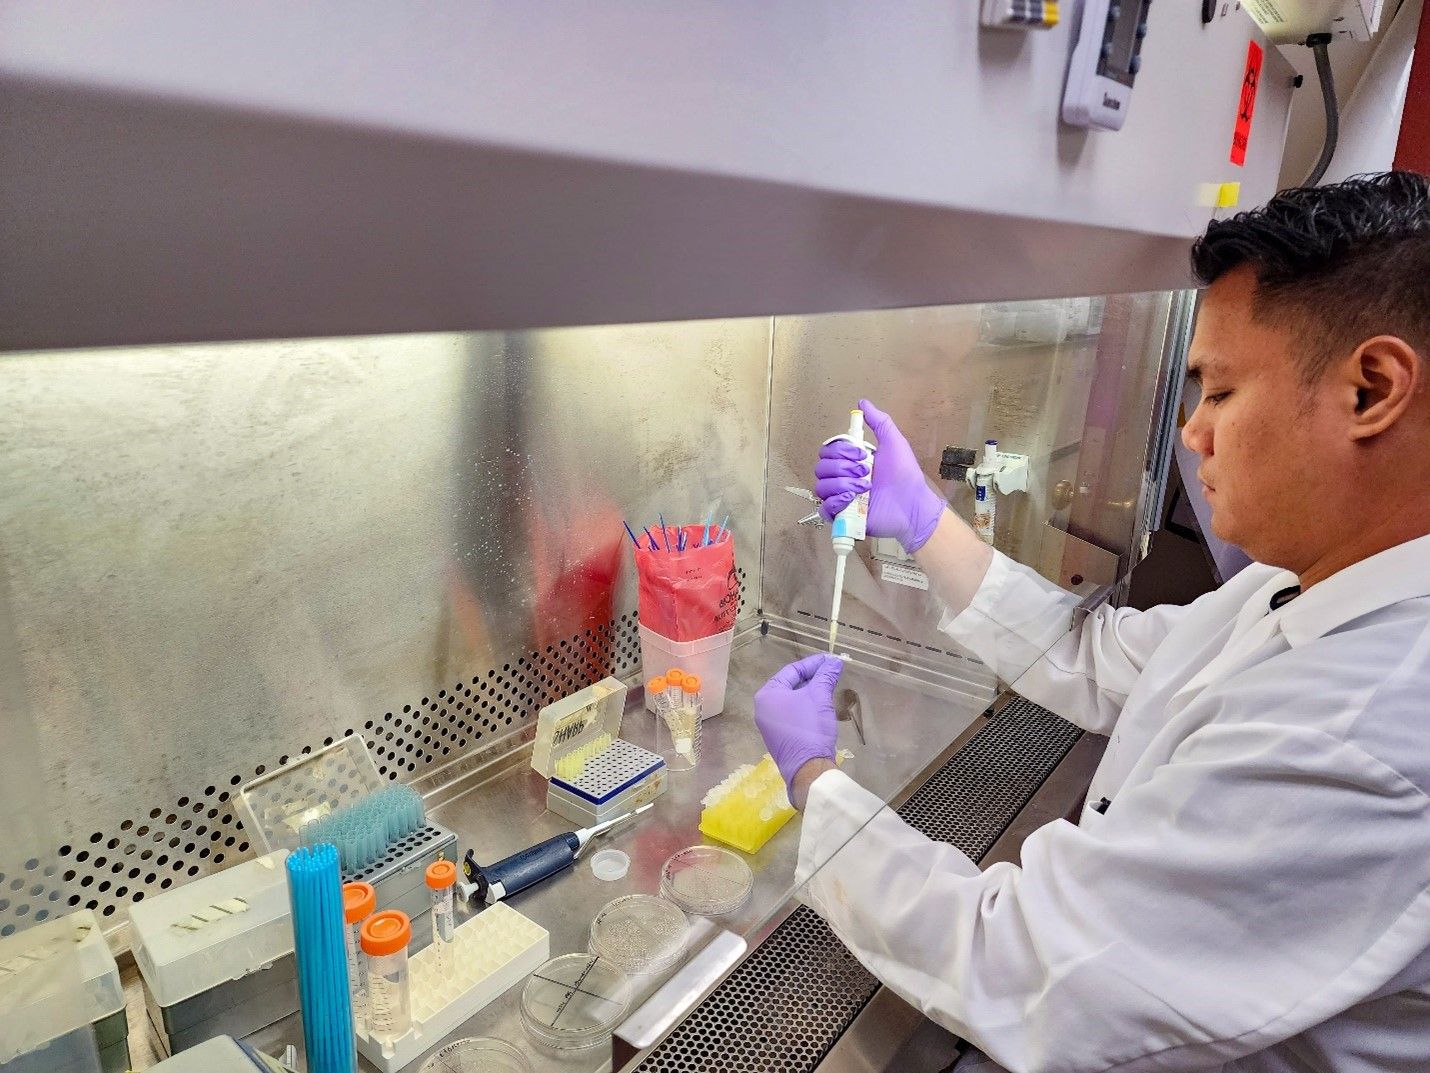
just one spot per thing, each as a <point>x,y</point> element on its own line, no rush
<point>655,689</point>
<point>680,741</point>
<point>674,695</point>
<point>385,937</point>
<point>357,970</point>
<point>441,881</point>
<point>359,901</point>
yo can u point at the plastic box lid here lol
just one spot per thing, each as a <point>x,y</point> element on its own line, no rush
<point>218,928</point>
<point>575,721</point>
<point>41,996</point>
<point>275,806</point>
<point>218,1055</point>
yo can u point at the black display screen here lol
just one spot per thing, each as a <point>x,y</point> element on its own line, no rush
<point>1121,42</point>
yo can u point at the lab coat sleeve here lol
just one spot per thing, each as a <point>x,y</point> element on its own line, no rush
<point>1264,881</point>
<point>1021,625</point>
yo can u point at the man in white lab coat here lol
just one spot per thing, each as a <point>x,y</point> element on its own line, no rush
<point>1249,887</point>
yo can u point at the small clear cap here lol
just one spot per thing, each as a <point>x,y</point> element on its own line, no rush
<point>610,865</point>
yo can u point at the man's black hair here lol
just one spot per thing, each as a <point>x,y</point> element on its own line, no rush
<point>1334,264</point>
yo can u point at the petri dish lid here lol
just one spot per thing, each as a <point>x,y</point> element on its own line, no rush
<point>639,933</point>
<point>574,1001</point>
<point>706,880</point>
<point>479,1054</point>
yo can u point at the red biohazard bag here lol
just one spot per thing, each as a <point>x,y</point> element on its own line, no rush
<point>687,595</point>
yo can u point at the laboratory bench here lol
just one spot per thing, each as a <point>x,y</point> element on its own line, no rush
<point>902,727</point>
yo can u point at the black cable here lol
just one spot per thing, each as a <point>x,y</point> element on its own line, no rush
<point>1317,44</point>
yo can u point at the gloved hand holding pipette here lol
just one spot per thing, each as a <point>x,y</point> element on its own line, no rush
<point>904,506</point>
<point>901,504</point>
<point>795,713</point>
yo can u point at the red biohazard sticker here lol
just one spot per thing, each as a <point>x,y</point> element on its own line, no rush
<point>1246,106</point>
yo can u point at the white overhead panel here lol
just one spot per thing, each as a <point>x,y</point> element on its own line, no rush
<point>229,170</point>
<point>1292,21</point>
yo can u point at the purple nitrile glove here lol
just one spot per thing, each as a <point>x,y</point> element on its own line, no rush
<point>795,712</point>
<point>901,504</point>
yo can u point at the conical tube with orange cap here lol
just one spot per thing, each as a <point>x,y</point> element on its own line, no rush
<point>359,903</point>
<point>441,881</point>
<point>385,937</point>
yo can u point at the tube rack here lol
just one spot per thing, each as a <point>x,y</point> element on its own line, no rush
<point>748,806</point>
<point>495,950</point>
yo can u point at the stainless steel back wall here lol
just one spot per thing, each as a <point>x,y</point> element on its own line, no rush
<point>219,557</point>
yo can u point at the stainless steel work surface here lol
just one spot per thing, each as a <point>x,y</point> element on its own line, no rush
<point>902,724</point>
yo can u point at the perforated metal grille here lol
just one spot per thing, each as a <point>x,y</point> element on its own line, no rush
<point>971,800</point>
<point>783,1008</point>
<point>172,842</point>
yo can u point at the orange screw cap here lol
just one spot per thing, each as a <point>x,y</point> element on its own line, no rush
<point>441,875</point>
<point>359,900</point>
<point>386,933</point>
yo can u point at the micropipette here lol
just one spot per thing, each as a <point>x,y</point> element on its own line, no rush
<point>493,882</point>
<point>849,523</point>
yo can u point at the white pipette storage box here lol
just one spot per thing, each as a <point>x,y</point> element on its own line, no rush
<point>216,955</point>
<point>494,951</point>
<point>61,999</point>
<point>594,775</point>
<point>275,807</point>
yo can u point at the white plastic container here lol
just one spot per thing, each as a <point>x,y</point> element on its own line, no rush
<point>216,954</point>
<point>709,658</point>
<point>56,979</point>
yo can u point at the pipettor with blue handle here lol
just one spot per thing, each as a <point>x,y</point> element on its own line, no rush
<point>494,882</point>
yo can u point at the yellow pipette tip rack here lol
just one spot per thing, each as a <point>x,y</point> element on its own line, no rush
<point>748,807</point>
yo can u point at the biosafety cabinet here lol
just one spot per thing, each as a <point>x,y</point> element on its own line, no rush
<point>341,339</point>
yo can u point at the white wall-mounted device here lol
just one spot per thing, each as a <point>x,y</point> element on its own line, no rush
<point>1105,62</point>
<point>1292,21</point>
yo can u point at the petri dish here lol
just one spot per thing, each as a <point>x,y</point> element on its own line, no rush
<point>574,1002</point>
<point>479,1054</point>
<point>639,933</point>
<point>706,880</point>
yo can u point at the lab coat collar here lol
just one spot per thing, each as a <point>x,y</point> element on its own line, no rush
<point>1396,574</point>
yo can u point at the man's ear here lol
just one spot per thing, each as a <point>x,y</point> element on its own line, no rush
<point>1386,372</point>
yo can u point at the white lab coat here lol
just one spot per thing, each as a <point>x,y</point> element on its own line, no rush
<point>1256,896</point>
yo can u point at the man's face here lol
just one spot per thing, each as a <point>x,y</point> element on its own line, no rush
<point>1265,438</point>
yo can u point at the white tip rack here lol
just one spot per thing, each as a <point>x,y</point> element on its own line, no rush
<point>492,952</point>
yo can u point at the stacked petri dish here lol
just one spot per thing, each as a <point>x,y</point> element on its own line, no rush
<point>477,1055</point>
<point>573,1002</point>
<point>706,880</point>
<point>640,934</point>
